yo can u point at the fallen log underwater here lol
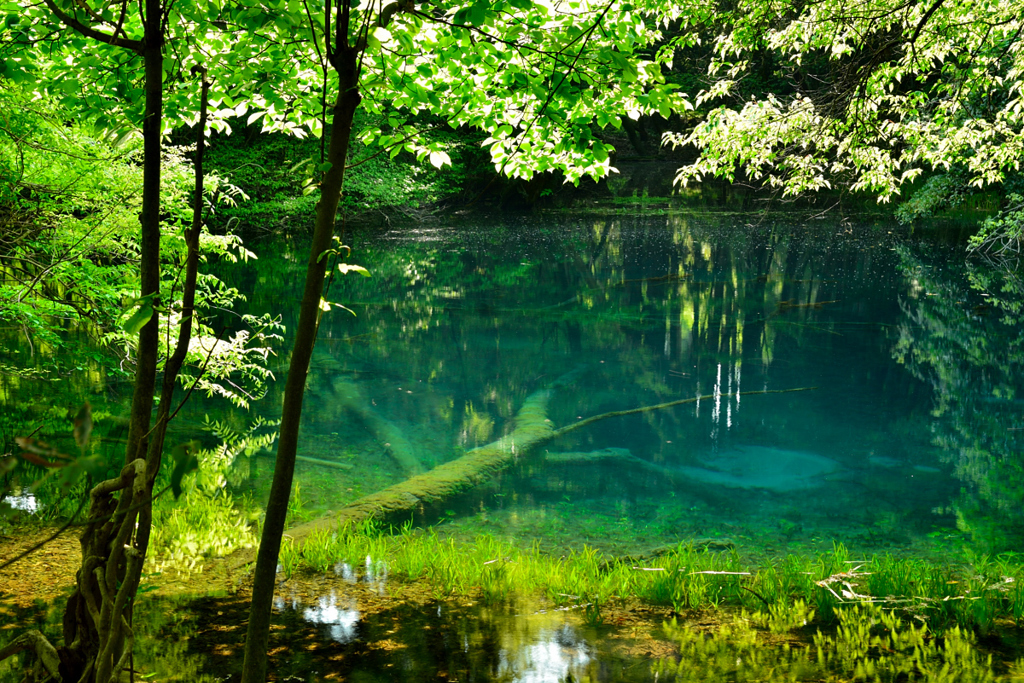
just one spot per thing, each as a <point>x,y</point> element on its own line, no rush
<point>532,430</point>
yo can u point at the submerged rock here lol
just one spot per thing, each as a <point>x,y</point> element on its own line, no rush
<point>763,467</point>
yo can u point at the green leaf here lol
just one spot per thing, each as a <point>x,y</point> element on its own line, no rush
<point>478,14</point>
<point>346,268</point>
<point>439,159</point>
<point>139,319</point>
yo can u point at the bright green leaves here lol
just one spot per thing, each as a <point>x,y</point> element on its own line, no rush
<point>918,107</point>
<point>378,35</point>
<point>143,311</point>
<point>476,14</point>
<point>439,159</point>
<point>534,79</point>
<point>346,268</point>
<point>624,66</point>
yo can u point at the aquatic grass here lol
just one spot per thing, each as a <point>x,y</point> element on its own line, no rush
<point>783,617</point>
<point>289,558</point>
<point>198,526</point>
<point>974,596</point>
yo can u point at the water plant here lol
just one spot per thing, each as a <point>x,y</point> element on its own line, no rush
<point>976,594</point>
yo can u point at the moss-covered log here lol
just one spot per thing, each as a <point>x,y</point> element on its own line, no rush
<point>404,453</point>
<point>532,430</point>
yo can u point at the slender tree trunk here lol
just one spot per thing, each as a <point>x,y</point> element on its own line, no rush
<point>97,635</point>
<point>145,371</point>
<point>173,365</point>
<point>258,634</point>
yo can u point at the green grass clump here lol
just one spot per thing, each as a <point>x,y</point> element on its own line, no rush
<point>975,594</point>
<point>870,644</point>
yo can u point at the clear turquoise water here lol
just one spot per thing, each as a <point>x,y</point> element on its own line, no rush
<point>907,439</point>
<point>906,443</point>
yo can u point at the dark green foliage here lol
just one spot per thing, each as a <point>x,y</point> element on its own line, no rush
<point>939,193</point>
<point>966,342</point>
<point>1003,233</point>
<point>276,171</point>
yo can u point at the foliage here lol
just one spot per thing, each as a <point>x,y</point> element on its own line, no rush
<point>1003,233</point>
<point>68,206</point>
<point>938,193</point>
<point>875,97</point>
<point>791,591</point>
<point>200,525</point>
<point>276,171</point>
<point>68,249</point>
<point>208,521</point>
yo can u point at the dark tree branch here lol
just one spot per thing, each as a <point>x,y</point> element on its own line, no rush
<point>90,32</point>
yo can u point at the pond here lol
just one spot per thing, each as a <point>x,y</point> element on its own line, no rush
<point>907,371</point>
<point>852,383</point>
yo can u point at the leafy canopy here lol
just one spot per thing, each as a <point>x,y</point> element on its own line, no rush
<point>877,93</point>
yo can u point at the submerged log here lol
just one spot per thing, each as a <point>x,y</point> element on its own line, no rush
<point>325,463</point>
<point>532,430</point>
<point>622,456</point>
<point>403,452</point>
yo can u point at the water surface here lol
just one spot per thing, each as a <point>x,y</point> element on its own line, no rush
<point>462,321</point>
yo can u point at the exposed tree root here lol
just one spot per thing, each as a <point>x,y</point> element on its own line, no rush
<point>47,662</point>
<point>97,637</point>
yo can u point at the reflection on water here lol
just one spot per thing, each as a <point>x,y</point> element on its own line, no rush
<point>557,655</point>
<point>328,629</point>
<point>341,621</point>
<point>452,335</point>
<point>25,501</point>
<point>907,433</point>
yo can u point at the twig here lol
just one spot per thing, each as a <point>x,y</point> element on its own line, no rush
<point>660,406</point>
<point>758,596</point>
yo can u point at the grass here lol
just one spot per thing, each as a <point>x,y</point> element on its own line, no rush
<point>977,594</point>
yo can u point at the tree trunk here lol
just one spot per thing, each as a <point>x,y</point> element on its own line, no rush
<point>97,633</point>
<point>145,370</point>
<point>258,634</point>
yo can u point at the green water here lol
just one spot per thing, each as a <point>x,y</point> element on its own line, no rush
<point>909,440</point>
